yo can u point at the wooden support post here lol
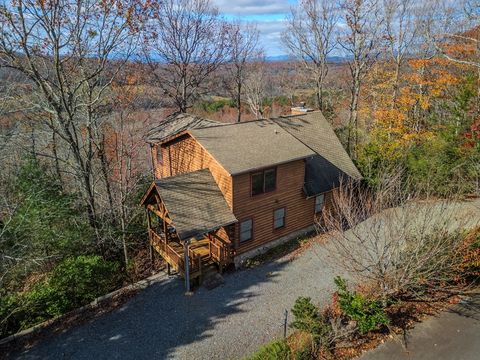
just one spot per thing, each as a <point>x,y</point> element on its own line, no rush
<point>150,247</point>
<point>165,230</point>
<point>187,266</point>
<point>168,269</point>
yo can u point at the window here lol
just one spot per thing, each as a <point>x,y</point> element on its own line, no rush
<point>319,199</point>
<point>264,181</point>
<point>257,183</point>
<point>246,230</point>
<point>279,218</point>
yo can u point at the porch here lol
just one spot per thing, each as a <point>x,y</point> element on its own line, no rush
<point>190,224</point>
<point>204,254</point>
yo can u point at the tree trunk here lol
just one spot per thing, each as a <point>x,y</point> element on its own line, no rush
<point>239,103</point>
<point>105,172</point>
<point>353,118</point>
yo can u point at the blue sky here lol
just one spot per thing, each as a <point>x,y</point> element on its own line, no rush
<point>268,14</point>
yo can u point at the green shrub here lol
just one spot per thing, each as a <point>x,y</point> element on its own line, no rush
<point>369,314</point>
<point>274,350</point>
<point>213,106</point>
<point>75,282</point>
<point>308,318</point>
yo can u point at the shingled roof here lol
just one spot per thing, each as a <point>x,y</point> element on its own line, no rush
<point>194,203</point>
<point>175,124</point>
<point>247,146</point>
<point>313,130</point>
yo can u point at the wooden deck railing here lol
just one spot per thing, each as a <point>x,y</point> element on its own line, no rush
<point>218,251</point>
<point>173,253</point>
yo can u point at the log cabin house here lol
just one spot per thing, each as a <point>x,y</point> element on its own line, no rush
<point>225,192</point>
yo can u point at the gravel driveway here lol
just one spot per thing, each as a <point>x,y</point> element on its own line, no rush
<point>228,322</point>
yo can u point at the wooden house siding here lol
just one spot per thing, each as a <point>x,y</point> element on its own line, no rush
<point>185,154</point>
<point>299,211</point>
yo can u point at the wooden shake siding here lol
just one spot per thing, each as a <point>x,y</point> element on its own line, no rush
<point>288,194</point>
<point>185,154</point>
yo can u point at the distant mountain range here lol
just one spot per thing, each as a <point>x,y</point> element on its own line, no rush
<point>333,59</point>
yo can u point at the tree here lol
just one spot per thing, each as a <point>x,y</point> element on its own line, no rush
<point>309,36</point>
<point>185,42</point>
<point>244,49</point>
<point>66,49</point>
<point>255,88</point>
<point>360,41</point>
<point>453,31</point>
<point>124,151</point>
<point>387,238</point>
<point>401,30</point>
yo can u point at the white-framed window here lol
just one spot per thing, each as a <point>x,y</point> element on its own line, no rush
<point>279,218</point>
<point>246,230</point>
<point>319,201</point>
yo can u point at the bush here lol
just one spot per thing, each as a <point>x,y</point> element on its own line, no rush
<point>302,345</point>
<point>369,314</point>
<point>275,350</point>
<point>469,269</point>
<point>45,226</point>
<point>73,283</point>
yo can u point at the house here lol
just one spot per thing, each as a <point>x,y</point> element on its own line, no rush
<point>224,192</point>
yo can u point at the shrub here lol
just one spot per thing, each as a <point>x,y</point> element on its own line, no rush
<point>308,319</point>
<point>369,314</point>
<point>274,350</point>
<point>73,283</point>
<point>302,345</point>
<point>469,269</point>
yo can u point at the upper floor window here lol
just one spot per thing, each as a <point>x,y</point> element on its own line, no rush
<point>319,201</point>
<point>279,218</point>
<point>264,181</point>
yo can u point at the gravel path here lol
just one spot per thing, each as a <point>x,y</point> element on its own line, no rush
<point>228,322</point>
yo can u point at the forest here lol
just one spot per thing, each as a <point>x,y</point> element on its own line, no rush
<point>83,81</point>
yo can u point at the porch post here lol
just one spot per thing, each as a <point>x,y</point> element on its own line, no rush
<point>149,222</point>
<point>187,266</point>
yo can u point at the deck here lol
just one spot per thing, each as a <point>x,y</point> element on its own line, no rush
<point>199,253</point>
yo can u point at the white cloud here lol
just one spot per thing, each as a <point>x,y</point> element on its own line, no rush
<point>270,36</point>
<point>252,7</point>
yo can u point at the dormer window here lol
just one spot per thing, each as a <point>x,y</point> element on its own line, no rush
<point>264,181</point>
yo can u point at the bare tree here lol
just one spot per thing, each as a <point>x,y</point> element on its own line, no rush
<point>391,239</point>
<point>244,49</point>
<point>401,30</point>
<point>185,42</point>
<point>255,88</point>
<point>64,48</point>
<point>360,41</point>
<point>309,36</point>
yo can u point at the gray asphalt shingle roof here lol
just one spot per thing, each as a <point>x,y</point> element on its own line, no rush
<point>243,147</point>
<point>320,176</point>
<point>175,124</point>
<point>313,130</point>
<point>194,203</point>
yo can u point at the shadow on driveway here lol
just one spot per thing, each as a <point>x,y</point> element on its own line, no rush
<point>161,322</point>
